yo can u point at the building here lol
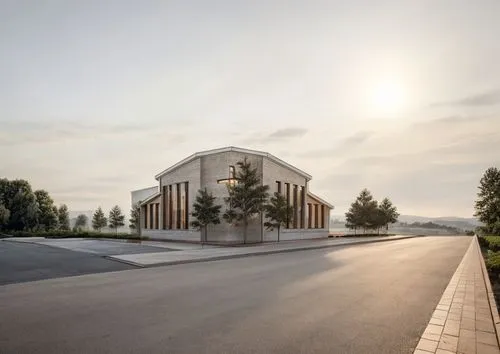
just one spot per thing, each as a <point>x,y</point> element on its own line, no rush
<point>166,208</point>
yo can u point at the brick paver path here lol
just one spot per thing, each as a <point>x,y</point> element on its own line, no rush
<point>463,322</point>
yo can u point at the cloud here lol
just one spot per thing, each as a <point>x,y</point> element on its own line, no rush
<point>288,133</point>
<point>259,138</point>
<point>484,99</point>
<point>357,138</point>
<point>26,131</point>
<point>350,141</point>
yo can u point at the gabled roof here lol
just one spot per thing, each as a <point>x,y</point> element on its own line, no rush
<point>235,149</point>
<point>150,198</point>
<point>144,189</point>
<point>314,196</point>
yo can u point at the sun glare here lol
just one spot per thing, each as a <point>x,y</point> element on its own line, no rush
<point>387,98</point>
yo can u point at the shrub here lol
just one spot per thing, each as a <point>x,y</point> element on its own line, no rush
<point>493,262</point>
<point>483,242</point>
<point>493,243</point>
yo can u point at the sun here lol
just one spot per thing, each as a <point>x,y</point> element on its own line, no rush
<point>387,98</point>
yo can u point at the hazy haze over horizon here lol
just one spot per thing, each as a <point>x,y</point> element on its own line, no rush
<point>403,98</point>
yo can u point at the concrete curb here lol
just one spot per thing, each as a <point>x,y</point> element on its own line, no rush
<point>491,296</point>
<point>263,253</point>
<point>124,261</point>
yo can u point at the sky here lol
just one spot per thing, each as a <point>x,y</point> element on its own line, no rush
<point>400,97</point>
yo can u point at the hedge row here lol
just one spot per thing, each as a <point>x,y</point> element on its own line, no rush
<point>492,259</point>
<point>69,234</point>
<point>493,263</point>
<point>490,242</point>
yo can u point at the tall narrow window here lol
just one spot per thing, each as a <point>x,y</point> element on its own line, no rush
<point>295,205</point>
<point>287,186</point>
<point>315,216</point>
<point>182,205</point>
<point>302,206</point>
<point>309,215</point>
<point>145,213</point>
<point>151,216</point>
<point>157,215</point>
<point>186,205</point>
<point>278,187</point>
<point>232,172</point>
<point>165,207</point>
<point>178,207</point>
<point>322,216</point>
<point>174,206</point>
<point>170,206</point>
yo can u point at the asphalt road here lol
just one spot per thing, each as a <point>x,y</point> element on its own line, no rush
<point>21,262</point>
<point>374,298</point>
<point>102,247</point>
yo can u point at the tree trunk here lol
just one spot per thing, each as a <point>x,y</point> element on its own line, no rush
<point>245,226</point>
<point>279,227</point>
<point>204,235</point>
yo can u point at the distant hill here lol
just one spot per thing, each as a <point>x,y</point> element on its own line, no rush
<point>449,221</point>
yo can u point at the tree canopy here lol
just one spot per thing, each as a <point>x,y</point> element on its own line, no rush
<point>99,220</point>
<point>488,202</point>
<point>205,211</point>
<point>277,212</point>
<point>4,216</point>
<point>365,213</point>
<point>116,218</point>
<point>247,196</point>
<point>81,221</point>
<point>48,218</point>
<point>388,213</point>
<point>19,203</point>
<point>63,217</point>
<point>135,213</point>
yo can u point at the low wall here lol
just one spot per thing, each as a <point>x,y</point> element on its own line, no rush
<point>177,235</point>
<point>295,234</point>
<point>234,237</point>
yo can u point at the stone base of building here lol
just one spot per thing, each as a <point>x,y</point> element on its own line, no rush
<point>233,238</point>
<point>172,235</point>
<point>290,235</point>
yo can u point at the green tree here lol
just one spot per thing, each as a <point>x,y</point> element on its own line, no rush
<point>353,217</point>
<point>277,212</point>
<point>47,216</point>
<point>488,203</point>
<point>135,217</point>
<point>246,198</point>
<point>388,213</point>
<point>81,222</point>
<point>99,220</point>
<point>63,216</point>
<point>116,218</point>
<point>363,212</point>
<point>205,211</point>
<point>18,197</point>
<point>4,216</point>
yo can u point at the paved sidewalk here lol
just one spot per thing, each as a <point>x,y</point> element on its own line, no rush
<point>463,321</point>
<point>202,255</point>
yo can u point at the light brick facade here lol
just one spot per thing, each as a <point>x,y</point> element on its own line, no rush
<point>166,209</point>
